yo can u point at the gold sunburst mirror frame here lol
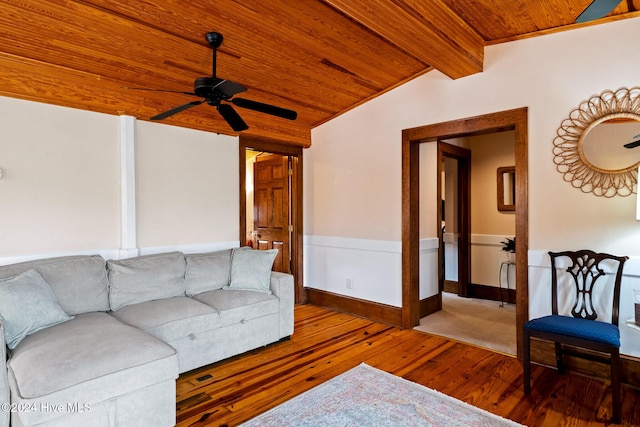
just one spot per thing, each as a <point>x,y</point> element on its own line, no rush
<point>610,173</point>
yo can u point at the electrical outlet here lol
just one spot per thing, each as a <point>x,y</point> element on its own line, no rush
<point>349,283</point>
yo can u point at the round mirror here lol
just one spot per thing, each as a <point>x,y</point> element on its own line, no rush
<point>603,143</point>
<point>598,147</point>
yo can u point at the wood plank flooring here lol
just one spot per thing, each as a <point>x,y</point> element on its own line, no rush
<point>326,343</point>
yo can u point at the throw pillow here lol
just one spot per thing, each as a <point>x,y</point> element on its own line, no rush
<point>27,305</point>
<point>251,270</point>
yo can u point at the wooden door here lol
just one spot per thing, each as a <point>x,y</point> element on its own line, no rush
<point>271,208</point>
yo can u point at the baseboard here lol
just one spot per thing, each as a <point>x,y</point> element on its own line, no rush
<point>451,286</point>
<point>543,353</point>
<point>430,305</point>
<point>358,307</point>
<point>491,293</point>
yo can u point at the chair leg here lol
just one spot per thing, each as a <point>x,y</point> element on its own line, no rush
<point>616,387</point>
<point>559,360</point>
<point>526,362</point>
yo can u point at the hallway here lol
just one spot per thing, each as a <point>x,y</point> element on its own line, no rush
<point>475,321</point>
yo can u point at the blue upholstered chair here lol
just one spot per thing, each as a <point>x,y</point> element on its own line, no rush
<point>583,327</point>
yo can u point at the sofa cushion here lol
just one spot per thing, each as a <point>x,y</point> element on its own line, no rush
<point>145,278</point>
<point>237,306</point>
<point>4,382</point>
<point>78,282</point>
<point>27,305</point>
<point>251,270</point>
<point>207,271</point>
<point>170,318</point>
<point>78,357</point>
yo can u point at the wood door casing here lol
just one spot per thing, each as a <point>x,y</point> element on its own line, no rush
<point>463,177</point>
<point>271,208</point>
<point>517,120</point>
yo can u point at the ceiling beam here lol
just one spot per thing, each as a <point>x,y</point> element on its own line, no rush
<point>428,30</point>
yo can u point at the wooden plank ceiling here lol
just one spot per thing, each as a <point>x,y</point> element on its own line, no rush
<point>317,57</point>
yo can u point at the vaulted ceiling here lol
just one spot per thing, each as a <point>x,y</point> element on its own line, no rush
<point>317,57</point>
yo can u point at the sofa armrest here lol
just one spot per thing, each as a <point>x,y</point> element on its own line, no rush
<point>4,382</point>
<point>282,287</point>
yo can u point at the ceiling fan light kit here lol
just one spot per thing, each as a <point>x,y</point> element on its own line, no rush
<point>219,92</point>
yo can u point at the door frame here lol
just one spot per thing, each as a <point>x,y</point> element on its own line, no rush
<point>463,156</point>
<point>515,120</point>
<point>295,152</point>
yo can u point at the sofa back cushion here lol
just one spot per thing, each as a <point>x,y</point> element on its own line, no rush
<point>79,283</point>
<point>145,278</point>
<point>207,271</point>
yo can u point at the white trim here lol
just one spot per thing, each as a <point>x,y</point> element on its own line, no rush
<point>488,239</point>
<point>369,245</point>
<point>191,248</point>
<point>430,244</point>
<point>540,258</point>
<point>105,253</point>
<point>118,253</point>
<point>128,232</point>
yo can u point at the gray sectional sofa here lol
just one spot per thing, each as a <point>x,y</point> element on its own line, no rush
<point>87,342</point>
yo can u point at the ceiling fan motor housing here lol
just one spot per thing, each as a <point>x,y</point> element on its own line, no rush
<point>205,87</point>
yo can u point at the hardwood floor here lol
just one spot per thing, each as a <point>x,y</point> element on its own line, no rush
<point>327,343</point>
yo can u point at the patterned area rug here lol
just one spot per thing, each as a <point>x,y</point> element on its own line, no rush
<point>366,396</point>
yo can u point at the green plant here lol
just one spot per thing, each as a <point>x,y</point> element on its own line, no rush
<point>509,245</point>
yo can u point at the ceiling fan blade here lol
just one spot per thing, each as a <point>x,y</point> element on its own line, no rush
<point>632,144</point>
<point>232,117</point>
<point>265,108</point>
<point>229,88</point>
<point>597,9</point>
<point>176,110</point>
<point>160,90</point>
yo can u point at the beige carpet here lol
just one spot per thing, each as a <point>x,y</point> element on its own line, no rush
<point>480,322</point>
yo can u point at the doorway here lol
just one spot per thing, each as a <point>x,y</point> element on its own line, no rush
<point>292,174</point>
<point>515,120</point>
<point>471,225</point>
<point>454,218</point>
<point>269,207</point>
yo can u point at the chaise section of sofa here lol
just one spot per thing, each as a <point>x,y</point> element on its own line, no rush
<point>85,368</point>
<point>93,370</point>
<point>91,342</point>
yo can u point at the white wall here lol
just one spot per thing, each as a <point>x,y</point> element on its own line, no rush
<point>489,226</point>
<point>61,189</point>
<point>349,195</point>
<point>187,186</point>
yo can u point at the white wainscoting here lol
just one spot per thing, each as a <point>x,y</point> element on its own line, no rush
<point>428,267</point>
<point>366,269</point>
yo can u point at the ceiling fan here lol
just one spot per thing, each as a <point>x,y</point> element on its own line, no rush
<point>597,9</point>
<point>633,144</point>
<point>219,93</point>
